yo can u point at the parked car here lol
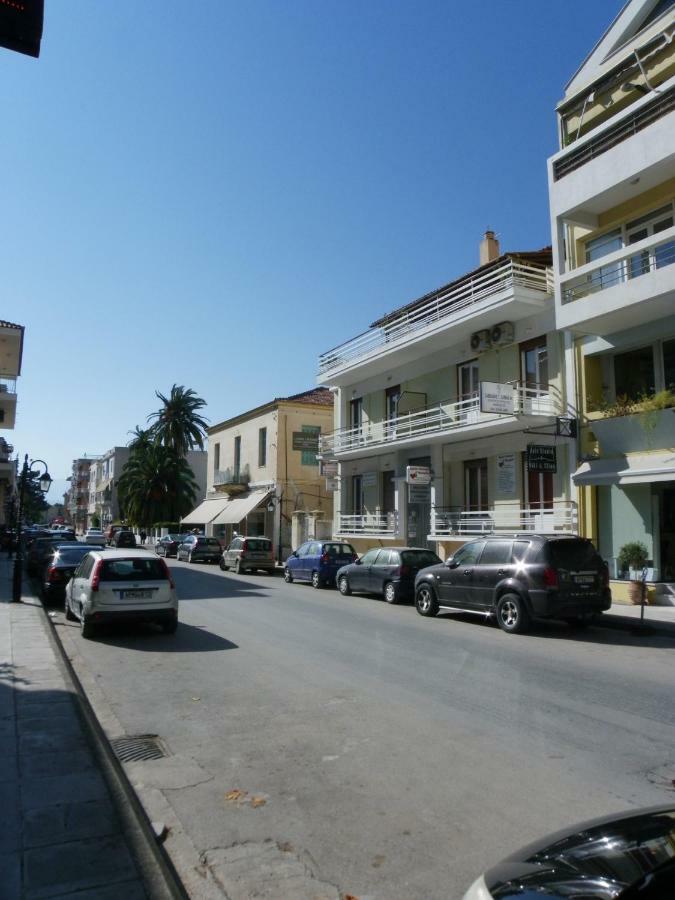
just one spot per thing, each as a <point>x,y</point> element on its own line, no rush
<point>168,545</point>
<point>197,548</point>
<point>111,531</point>
<point>121,585</point>
<point>95,536</point>
<point>59,568</point>
<point>318,562</point>
<point>41,548</point>
<point>625,856</point>
<point>519,578</point>
<point>248,554</point>
<point>124,538</point>
<point>389,572</point>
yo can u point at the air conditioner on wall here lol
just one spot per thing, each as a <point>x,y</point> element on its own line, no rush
<point>480,341</point>
<point>501,334</point>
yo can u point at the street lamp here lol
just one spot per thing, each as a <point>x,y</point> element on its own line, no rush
<point>271,506</point>
<point>44,482</point>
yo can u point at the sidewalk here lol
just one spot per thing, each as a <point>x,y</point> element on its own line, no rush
<point>61,836</point>
<point>659,618</point>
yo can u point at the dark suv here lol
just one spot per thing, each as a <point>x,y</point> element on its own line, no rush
<point>519,578</point>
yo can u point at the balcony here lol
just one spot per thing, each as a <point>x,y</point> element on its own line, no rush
<point>231,480</point>
<point>374,525</point>
<point>442,421</point>
<point>622,289</point>
<point>455,521</point>
<point>511,290</point>
<point>7,402</point>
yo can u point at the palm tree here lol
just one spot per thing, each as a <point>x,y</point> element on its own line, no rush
<point>156,485</point>
<point>140,439</point>
<point>178,424</point>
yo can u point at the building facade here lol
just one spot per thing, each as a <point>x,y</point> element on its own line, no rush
<point>263,467</point>
<point>446,391</point>
<point>612,200</point>
<point>76,499</point>
<point>11,356</point>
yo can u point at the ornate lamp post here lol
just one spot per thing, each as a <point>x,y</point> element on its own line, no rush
<point>44,482</point>
<point>272,504</point>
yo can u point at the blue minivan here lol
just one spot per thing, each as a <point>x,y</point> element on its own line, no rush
<point>318,562</point>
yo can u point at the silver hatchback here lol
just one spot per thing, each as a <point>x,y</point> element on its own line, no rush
<point>247,554</point>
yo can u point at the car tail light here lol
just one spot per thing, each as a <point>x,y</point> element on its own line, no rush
<point>96,575</point>
<point>167,572</point>
<point>550,577</point>
<point>324,558</point>
<point>53,574</point>
<point>244,548</point>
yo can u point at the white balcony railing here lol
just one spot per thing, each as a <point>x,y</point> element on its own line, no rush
<point>368,524</point>
<point>440,418</point>
<point>654,252</point>
<point>7,385</point>
<point>560,516</point>
<point>445,305</point>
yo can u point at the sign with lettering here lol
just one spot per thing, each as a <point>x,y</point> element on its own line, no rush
<point>541,458</point>
<point>506,474</point>
<point>496,398</point>
<point>332,485</point>
<point>329,467</point>
<point>419,493</point>
<point>418,475</point>
<point>304,440</point>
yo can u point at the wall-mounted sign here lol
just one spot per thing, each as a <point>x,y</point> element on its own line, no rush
<point>304,440</point>
<point>506,473</point>
<point>369,479</point>
<point>332,485</point>
<point>418,475</point>
<point>419,493</point>
<point>329,467</point>
<point>541,458</point>
<point>496,398</point>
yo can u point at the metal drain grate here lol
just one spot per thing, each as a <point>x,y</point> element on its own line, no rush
<point>135,747</point>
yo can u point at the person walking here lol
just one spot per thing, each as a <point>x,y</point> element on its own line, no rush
<point>142,536</point>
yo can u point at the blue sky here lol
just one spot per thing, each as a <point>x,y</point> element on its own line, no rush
<point>214,193</point>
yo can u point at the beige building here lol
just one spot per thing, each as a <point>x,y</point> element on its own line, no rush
<point>263,467</point>
<point>11,353</point>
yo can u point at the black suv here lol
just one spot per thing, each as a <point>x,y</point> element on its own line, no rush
<point>517,578</point>
<point>124,538</point>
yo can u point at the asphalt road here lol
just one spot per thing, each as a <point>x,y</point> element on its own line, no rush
<point>396,757</point>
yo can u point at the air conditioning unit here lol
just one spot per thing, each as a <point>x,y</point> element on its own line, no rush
<point>480,341</point>
<point>502,334</point>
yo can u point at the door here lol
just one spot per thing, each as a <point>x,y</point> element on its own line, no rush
<point>494,566</point>
<point>388,496</point>
<point>382,569</point>
<point>475,516</point>
<point>533,372</point>
<point>391,397</point>
<point>642,228</point>
<point>355,420</point>
<point>359,578</point>
<point>468,390</point>
<point>310,561</point>
<point>419,509</point>
<point>357,495</point>
<point>455,586</point>
<point>294,563</point>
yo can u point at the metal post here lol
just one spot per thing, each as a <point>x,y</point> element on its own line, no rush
<point>18,559</point>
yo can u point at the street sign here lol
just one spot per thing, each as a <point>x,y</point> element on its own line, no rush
<point>541,458</point>
<point>418,475</point>
<point>496,398</point>
<point>332,485</point>
<point>305,440</point>
<point>565,427</point>
<point>329,467</point>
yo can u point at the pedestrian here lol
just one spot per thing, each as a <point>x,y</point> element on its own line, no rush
<point>142,536</point>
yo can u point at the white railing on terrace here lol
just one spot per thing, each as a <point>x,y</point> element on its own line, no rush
<point>454,520</point>
<point>442,306</point>
<point>654,252</point>
<point>7,385</point>
<point>439,418</point>
<point>368,524</point>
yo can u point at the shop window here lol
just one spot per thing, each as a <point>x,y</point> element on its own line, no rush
<point>634,373</point>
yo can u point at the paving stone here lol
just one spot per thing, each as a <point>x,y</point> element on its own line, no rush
<point>69,822</point>
<point>41,765</point>
<point>75,866</point>
<point>51,790</point>
<point>10,876</point>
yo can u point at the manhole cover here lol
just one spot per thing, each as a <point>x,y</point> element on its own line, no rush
<point>138,746</point>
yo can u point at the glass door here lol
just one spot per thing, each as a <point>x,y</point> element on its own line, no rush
<point>476,485</point>
<point>656,257</point>
<point>468,389</point>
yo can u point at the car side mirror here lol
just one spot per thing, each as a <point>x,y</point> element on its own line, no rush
<point>357,562</point>
<point>450,563</point>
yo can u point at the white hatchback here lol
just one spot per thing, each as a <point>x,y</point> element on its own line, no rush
<point>121,585</point>
<point>95,536</point>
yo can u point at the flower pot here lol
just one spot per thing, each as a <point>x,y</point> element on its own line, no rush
<point>635,592</point>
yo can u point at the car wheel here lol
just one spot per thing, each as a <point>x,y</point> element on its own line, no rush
<point>288,578</point>
<point>170,626</point>
<point>316,580</point>
<point>343,586</point>
<point>425,601</point>
<point>390,592</point>
<point>86,627</point>
<point>69,613</point>
<point>512,616</point>
<point>223,566</point>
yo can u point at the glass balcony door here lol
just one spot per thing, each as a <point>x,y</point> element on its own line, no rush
<point>647,226</point>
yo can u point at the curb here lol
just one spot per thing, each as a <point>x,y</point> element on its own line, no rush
<point>156,869</point>
<point>632,623</point>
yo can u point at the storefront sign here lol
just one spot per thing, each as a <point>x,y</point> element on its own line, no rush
<point>506,474</point>
<point>369,479</point>
<point>419,493</point>
<point>496,398</point>
<point>541,458</point>
<point>418,475</point>
<point>332,485</point>
<point>304,440</point>
<point>329,467</point>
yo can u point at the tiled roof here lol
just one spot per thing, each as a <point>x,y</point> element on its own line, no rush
<point>320,396</point>
<point>543,257</point>
<point>4,324</point>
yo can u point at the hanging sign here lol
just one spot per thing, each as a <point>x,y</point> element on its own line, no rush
<point>506,474</point>
<point>496,398</point>
<point>418,475</point>
<point>419,493</point>
<point>541,458</point>
<point>329,467</point>
<point>332,485</point>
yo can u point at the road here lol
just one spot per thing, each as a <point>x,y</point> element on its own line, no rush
<point>392,756</point>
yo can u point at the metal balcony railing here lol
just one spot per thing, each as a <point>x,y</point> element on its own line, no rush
<point>654,252</point>
<point>368,524</point>
<point>7,385</point>
<point>559,516</point>
<point>440,418</point>
<point>442,307</point>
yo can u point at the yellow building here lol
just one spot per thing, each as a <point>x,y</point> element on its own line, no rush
<point>11,354</point>
<point>612,198</point>
<point>263,467</point>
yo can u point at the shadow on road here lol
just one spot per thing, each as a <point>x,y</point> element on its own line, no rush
<point>203,583</point>
<point>147,637</point>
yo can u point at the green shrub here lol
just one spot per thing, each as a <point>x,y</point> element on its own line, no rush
<point>632,555</point>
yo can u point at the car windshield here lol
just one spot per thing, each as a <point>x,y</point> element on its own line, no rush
<point>133,570</point>
<point>573,554</point>
<point>419,558</point>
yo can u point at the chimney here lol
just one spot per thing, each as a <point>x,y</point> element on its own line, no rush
<point>489,248</point>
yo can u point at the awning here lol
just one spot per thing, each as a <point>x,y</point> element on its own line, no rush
<point>239,507</point>
<point>205,512</point>
<point>638,468</point>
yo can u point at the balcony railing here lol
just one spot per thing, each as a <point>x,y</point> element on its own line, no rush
<point>7,385</point>
<point>654,252</point>
<point>368,524</point>
<point>440,418</point>
<point>560,516</point>
<point>440,308</point>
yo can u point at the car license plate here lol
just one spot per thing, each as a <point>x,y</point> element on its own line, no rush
<point>584,579</point>
<point>135,595</point>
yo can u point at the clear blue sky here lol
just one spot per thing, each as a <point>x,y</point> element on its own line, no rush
<point>212,193</point>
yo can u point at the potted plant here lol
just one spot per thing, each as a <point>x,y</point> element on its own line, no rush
<point>633,556</point>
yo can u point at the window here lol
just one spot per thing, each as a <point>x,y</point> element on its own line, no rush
<point>357,495</point>
<point>237,457</point>
<point>356,413</point>
<point>384,558</point>
<point>496,553</point>
<point>634,373</point>
<point>133,570</point>
<point>534,363</point>
<point>669,364</point>
<point>596,249</point>
<point>469,553</point>
<point>468,384</point>
<point>644,227</point>
<point>369,558</point>
<point>519,550</point>
<point>262,447</point>
<point>216,457</point>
